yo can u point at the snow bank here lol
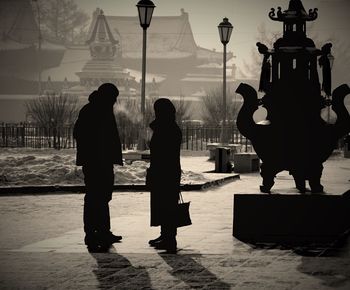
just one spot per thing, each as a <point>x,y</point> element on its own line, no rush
<point>25,166</point>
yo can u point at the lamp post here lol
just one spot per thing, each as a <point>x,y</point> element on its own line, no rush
<point>331,62</point>
<point>225,30</point>
<point>39,47</point>
<point>145,9</point>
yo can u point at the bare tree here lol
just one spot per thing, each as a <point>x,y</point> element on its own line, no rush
<point>213,107</point>
<point>62,20</point>
<point>129,118</point>
<point>182,110</point>
<point>53,113</point>
<point>252,68</point>
<point>130,109</point>
<point>341,52</point>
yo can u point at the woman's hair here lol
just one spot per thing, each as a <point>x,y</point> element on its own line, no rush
<point>164,109</point>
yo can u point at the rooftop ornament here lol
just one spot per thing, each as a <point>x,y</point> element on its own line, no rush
<point>295,11</point>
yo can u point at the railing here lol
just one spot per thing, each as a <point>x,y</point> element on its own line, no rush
<point>193,137</point>
<point>28,135</point>
<point>198,137</point>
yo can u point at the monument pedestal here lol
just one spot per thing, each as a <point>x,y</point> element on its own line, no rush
<point>290,219</point>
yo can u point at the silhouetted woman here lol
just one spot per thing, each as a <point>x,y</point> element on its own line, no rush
<point>164,174</point>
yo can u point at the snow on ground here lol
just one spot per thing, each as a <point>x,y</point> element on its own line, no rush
<point>27,166</point>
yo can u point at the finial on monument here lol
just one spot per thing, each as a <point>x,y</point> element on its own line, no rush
<point>295,11</point>
<point>184,13</point>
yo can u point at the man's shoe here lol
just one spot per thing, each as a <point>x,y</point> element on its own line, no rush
<point>264,189</point>
<point>169,245</point>
<point>113,238</point>
<point>301,190</point>
<point>155,241</point>
<point>91,239</point>
<point>317,189</point>
<point>94,248</point>
<point>98,238</point>
<point>96,245</point>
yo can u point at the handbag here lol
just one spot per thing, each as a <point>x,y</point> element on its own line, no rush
<point>148,178</point>
<point>183,213</point>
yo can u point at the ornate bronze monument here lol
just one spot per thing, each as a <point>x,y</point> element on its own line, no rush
<point>294,136</point>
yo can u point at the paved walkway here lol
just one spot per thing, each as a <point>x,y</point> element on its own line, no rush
<point>41,243</point>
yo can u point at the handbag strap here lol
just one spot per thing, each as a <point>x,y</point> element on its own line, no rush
<point>180,198</point>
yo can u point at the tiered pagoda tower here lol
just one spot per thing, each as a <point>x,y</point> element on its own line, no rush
<point>105,64</point>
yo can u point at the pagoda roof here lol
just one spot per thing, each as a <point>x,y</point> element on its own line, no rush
<point>167,36</point>
<point>73,61</point>
<point>150,77</point>
<point>101,30</point>
<point>18,27</point>
<point>212,55</point>
<point>17,22</point>
<point>295,12</point>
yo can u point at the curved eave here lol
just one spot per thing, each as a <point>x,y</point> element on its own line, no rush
<point>292,15</point>
<point>159,55</point>
<point>293,19</point>
<point>295,49</point>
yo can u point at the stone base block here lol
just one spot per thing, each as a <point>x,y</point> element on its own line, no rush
<point>212,149</point>
<point>290,219</point>
<point>246,162</point>
<point>131,156</point>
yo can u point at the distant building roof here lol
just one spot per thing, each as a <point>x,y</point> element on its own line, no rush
<point>72,62</point>
<point>18,27</point>
<point>167,36</point>
<point>17,22</point>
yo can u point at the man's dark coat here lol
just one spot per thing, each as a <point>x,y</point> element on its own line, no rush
<point>97,135</point>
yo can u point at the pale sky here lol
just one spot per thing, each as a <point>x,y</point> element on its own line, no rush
<point>245,15</point>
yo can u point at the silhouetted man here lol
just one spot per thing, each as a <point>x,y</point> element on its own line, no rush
<point>98,149</point>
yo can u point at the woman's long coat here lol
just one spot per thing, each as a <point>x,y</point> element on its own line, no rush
<point>164,173</point>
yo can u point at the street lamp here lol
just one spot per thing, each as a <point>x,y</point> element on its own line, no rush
<point>39,47</point>
<point>145,9</point>
<point>225,30</point>
<point>331,62</point>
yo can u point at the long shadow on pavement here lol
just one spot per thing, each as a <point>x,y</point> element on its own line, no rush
<point>331,265</point>
<point>192,273</point>
<point>328,263</point>
<point>116,272</point>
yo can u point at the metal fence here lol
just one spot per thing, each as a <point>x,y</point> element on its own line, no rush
<point>199,137</point>
<point>193,137</point>
<point>28,135</point>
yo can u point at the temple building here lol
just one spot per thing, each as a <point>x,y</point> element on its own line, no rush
<point>21,60</point>
<point>105,65</point>
<point>176,65</point>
